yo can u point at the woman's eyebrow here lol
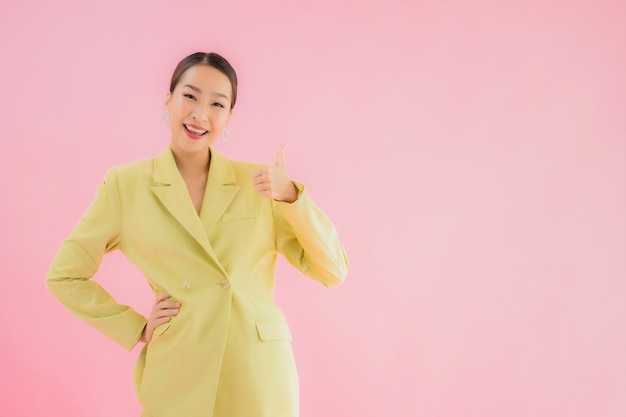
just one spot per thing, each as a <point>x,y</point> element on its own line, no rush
<point>193,87</point>
<point>220,95</point>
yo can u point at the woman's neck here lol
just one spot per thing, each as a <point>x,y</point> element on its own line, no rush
<point>192,164</point>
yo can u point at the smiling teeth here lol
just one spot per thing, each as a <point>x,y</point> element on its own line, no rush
<point>196,131</point>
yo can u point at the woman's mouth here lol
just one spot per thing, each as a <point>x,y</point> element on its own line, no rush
<point>194,132</point>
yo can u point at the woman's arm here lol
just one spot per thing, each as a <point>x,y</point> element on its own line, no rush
<point>304,234</point>
<point>308,239</point>
<point>77,261</point>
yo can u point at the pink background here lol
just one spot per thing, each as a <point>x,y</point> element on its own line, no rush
<point>471,154</point>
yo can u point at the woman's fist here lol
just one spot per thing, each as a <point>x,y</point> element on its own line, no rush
<point>273,181</point>
<point>162,312</point>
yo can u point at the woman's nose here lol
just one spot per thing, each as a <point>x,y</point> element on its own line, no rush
<point>201,114</point>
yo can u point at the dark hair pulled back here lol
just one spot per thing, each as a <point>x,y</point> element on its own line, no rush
<point>206,58</point>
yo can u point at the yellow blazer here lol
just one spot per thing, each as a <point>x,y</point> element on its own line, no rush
<point>228,351</point>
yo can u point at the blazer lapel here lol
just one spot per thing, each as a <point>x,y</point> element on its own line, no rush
<point>171,190</point>
<point>220,190</point>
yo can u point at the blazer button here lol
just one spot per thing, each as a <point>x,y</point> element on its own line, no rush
<point>225,284</point>
<point>185,286</point>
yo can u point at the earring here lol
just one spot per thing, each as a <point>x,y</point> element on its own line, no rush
<point>224,135</point>
<point>165,117</point>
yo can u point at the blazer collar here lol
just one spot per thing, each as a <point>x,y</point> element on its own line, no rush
<point>166,172</point>
<point>220,190</point>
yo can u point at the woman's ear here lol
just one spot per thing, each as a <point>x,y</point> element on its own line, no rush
<point>168,99</point>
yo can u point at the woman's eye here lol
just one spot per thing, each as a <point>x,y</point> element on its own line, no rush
<point>218,104</point>
<point>189,96</point>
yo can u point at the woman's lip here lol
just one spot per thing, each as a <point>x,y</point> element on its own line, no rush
<point>192,135</point>
<point>196,127</point>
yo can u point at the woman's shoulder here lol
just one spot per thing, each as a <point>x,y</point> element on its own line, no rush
<point>245,165</point>
<point>139,167</point>
<point>132,174</point>
<point>237,165</point>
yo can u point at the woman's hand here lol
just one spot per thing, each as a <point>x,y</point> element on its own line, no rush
<point>273,182</point>
<point>162,311</point>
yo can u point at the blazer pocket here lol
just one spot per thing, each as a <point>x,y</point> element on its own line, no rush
<point>270,330</point>
<point>238,215</point>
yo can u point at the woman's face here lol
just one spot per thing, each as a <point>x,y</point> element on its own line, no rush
<point>199,108</point>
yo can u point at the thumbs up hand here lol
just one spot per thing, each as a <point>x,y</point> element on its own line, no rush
<point>273,182</point>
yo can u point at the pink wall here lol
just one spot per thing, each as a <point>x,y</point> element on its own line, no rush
<point>471,154</point>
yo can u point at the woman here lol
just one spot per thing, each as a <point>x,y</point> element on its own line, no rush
<point>205,231</point>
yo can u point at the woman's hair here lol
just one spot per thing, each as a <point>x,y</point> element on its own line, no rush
<point>211,59</point>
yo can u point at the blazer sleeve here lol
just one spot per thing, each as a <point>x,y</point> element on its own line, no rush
<point>79,258</point>
<point>308,240</point>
